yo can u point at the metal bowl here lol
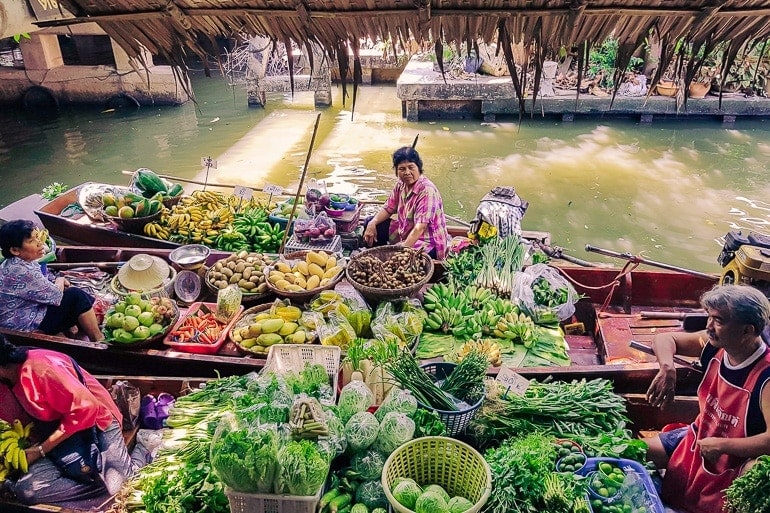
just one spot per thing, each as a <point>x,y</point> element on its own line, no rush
<point>190,256</point>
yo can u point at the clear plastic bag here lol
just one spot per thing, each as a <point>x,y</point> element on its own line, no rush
<point>336,331</point>
<point>523,291</point>
<point>228,303</point>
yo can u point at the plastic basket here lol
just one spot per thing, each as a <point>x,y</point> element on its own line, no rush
<point>647,488</point>
<point>290,357</point>
<point>271,503</point>
<point>455,421</point>
<point>455,466</point>
<point>332,246</point>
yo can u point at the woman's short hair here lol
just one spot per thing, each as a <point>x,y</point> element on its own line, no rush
<point>13,234</point>
<point>742,303</point>
<point>406,154</point>
<point>10,353</point>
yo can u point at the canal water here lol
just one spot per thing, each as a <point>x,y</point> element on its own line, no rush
<point>668,191</point>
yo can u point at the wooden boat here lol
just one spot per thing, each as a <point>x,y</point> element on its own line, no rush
<point>644,421</point>
<point>640,304</point>
<point>79,229</point>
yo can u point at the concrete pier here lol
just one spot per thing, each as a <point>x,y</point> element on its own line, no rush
<point>425,95</point>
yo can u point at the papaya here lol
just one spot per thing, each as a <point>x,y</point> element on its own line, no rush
<point>149,182</point>
<point>175,190</point>
<point>131,198</point>
<point>142,208</point>
<point>155,206</point>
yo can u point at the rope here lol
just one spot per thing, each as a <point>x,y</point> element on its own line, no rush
<point>628,268</point>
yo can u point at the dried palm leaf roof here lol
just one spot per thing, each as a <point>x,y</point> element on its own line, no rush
<point>176,28</point>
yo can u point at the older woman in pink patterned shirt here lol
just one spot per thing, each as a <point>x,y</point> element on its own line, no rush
<point>420,222</point>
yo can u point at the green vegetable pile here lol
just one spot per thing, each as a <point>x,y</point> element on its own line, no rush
<point>748,493</point>
<point>562,409</point>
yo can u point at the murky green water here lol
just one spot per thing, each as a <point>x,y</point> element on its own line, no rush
<point>668,191</point>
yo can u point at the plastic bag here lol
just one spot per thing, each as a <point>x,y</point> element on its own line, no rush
<point>307,419</point>
<point>354,397</point>
<point>525,286</point>
<point>398,400</point>
<point>228,303</point>
<point>128,400</point>
<point>319,229</point>
<point>337,331</point>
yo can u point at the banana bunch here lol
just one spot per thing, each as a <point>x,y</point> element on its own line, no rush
<point>157,231</point>
<point>436,295</point>
<point>220,217</point>
<point>501,306</point>
<point>210,200</point>
<point>477,297</point>
<point>489,348</point>
<point>447,320</point>
<point>517,327</point>
<point>481,323</point>
<point>13,440</point>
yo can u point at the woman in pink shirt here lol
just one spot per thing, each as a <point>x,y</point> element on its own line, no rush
<point>62,399</point>
<point>420,222</point>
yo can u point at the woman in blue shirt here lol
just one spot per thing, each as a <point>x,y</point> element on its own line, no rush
<point>29,301</point>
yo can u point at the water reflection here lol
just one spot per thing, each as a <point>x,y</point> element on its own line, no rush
<point>669,191</point>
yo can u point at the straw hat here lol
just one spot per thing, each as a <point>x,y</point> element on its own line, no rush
<point>143,272</point>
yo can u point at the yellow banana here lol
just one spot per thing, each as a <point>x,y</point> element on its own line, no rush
<point>23,463</point>
<point>28,429</point>
<point>12,457</point>
<point>18,428</point>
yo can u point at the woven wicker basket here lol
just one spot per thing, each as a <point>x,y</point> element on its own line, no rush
<point>374,294</point>
<point>132,224</point>
<point>456,466</point>
<point>305,295</point>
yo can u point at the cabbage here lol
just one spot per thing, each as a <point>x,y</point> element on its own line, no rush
<point>406,493</point>
<point>372,495</point>
<point>336,428</point>
<point>395,430</point>
<point>437,489</point>
<point>355,397</point>
<point>397,400</point>
<point>459,504</point>
<point>368,464</point>
<point>430,502</point>
<point>361,431</point>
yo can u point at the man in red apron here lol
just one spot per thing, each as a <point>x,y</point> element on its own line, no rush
<point>703,459</point>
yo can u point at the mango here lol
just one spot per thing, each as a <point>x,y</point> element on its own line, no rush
<point>268,339</point>
<point>288,328</point>
<point>313,282</point>
<point>294,288</point>
<point>255,330</point>
<point>332,272</point>
<point>283,267</point>
<point>272,325</point>
<point>298,337</point>
<point>248,343</point>
<point>282,285</point>
<point>316,257</point>
<point>330,262</point>
<point>275,276</point>
<point>316,270</point>
<point>261,316</point>
<point>301,267</point>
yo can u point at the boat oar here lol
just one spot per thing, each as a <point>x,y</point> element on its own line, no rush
<point>640,260</point>
<point>301,183</point>
<point>678,359</point>
<point>557,252</point>
<point>71,265</point>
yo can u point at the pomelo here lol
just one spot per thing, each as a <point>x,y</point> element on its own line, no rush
<point>126,212</point>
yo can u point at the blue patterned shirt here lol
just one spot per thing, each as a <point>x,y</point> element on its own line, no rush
<point>25,294</point>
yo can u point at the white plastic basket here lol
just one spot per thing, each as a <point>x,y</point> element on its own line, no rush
<point>332,246</point>
<point>293,357</point>
<point>270,503</point>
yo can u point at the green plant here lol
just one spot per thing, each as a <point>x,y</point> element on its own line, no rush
<point>601,62</point>
<point>17,37</point>
<point>53,190</point>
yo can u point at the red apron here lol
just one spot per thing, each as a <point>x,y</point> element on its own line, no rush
<point>690,482</point>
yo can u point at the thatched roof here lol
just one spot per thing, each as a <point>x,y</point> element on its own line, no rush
<point>174,28</point>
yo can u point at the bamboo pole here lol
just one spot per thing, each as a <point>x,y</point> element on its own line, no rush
<point>301,183</point>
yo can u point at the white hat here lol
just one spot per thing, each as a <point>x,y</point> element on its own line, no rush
<point>143,272</point>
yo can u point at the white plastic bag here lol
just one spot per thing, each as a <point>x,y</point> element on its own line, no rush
<point>526,281</point>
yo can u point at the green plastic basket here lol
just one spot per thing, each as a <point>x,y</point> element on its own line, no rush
<point>454,465</point>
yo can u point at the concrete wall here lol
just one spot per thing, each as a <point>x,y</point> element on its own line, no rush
<point>44,67</point>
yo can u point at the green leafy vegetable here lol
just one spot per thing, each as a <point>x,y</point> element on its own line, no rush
<point>395,430</point>
<point>245,459</point>
<point>748,493</point>
<point>303,468</point>
<point>361,431</point>
<point>407,492</point>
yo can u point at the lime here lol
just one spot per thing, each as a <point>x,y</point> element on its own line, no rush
<point>605,467</point>
<point>603,491</point>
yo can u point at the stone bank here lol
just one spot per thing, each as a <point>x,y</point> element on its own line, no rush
<point>426,95</point>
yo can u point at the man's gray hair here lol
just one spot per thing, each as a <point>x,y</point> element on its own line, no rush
<point>742,303</point>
